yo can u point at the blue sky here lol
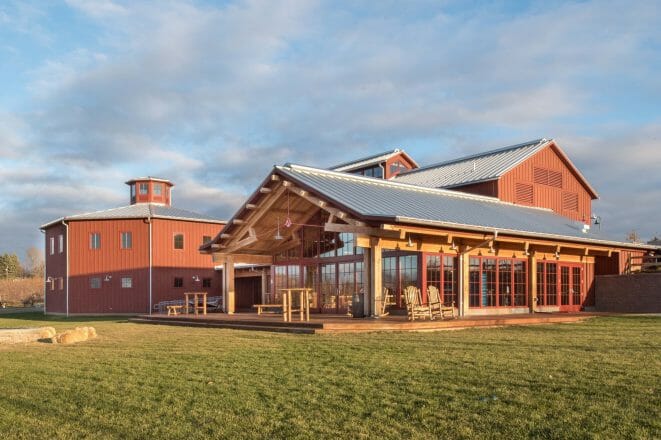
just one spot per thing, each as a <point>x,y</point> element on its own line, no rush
<point>212,94</point>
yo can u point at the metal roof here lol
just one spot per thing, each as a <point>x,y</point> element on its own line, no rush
<point>392,201</point>
<point>472,169</point>
<point>371,160</point>
<point>154,179</point>
<point>139,210</point>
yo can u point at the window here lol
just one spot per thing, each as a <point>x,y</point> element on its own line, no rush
<point>61,239</point>
<point>95,283</point>
<point>397,167</point>
<point>206,282</point>
<point>441,273</point>
<point>178,241</point>
<point>178,282</point>
<point>52,284</point>
<point>95,240</point>
<point>497,282</point>
<point>206,239</point>
<point>133,192</point>
<point>127,282</point>
<point>52,245</point>
<point>158,189</point>
<point>61,283</point>
<point>144,189</point>
<point>127,240</point>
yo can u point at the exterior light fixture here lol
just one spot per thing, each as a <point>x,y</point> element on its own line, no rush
<point>107,278</point>
<point>277,234</point>
<point>597,220</point>
<point>196,278</point>
<point>410,243</point>
<point>454,246</point>
<point>491,249</point>
<point>557,255</point>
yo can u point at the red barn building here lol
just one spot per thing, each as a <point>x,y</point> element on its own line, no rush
<point>127,259</point>
<point>505,231</point>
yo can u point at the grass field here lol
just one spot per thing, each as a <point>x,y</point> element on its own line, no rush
<point>597,379</point>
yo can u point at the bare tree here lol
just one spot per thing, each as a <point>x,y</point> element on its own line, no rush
<point>35,262</point>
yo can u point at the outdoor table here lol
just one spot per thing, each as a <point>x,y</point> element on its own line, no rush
<point>304,305</point>
<point>196,307</point>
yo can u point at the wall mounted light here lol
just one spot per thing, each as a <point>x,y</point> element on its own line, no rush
<point>107,278</point>
<point>196,278</point>
<point>410,243</point>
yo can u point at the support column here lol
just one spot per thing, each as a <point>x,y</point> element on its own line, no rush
<point>375,276</point>
<point>264,286</point>
<point>532,285</point>
<point>367,282</point>
<point>228,278</point>
<point>464,285</point>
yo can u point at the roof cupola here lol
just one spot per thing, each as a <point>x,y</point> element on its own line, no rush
<point>150,190</point>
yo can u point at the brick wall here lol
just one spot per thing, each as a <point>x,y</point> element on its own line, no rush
<point>638,293</point>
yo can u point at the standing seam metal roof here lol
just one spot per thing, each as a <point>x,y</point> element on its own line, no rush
<point>139,210</point>
<point>405,203</point>
<point>369,160</point>
<point>472,169</point>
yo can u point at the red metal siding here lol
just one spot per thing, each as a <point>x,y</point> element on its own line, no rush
<point>549,195</point>
<point>109,261</point>
<point>56,267</point>
<point>489,188</point>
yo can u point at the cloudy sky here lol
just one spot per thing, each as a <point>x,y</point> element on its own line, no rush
<point>212,94</point>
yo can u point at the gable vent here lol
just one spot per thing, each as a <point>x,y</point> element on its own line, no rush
<point>570,201</point>
<point>524,193</point>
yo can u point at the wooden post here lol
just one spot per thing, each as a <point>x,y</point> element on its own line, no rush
<point>532,285</point>
<point>228,278</point>
<point>376,278</point>
<point>464,288</point>
<point>264,286</point>
<point>367,283</point>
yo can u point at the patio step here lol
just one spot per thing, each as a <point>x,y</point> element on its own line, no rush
<point>229,325</point>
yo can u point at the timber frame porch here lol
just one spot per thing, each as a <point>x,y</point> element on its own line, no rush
<point>325,323</point>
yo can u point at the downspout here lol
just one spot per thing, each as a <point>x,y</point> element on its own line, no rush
<point>45,271</point>
<point>66,234</point>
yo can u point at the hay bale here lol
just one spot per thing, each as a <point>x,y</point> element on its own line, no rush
<point>23,335</point>
<point>79,334</point>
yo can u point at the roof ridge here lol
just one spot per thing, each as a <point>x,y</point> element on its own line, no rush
<point>366,158</point>
<point>537,142</point>
<point>409,186</point>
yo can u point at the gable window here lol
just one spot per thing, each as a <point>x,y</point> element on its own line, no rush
<point>127,240</point>
<point>179,241</point>
<point>206,282</point>
<point>144,189</point>
<point>127,282</point>
<point>95,240</point>
<point>178,282</point>
<point>397,167</point>
<point>95,283</point>
<point>52,245</point>
<point>61,243</point>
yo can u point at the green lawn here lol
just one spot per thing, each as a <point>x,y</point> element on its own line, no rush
<point>597,379</point>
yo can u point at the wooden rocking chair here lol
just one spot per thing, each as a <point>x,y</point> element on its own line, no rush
<point>387,300</point>
<point>436,307</point>
<point>414,307</point>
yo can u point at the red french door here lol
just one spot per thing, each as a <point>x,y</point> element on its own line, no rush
<point>571,293</point>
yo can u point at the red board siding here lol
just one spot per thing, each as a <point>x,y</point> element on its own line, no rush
<point>551,178</point>
<point>489,188</point>
<point>56,266</point>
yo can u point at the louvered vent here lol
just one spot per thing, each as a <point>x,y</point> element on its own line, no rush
<point>523,193</point>
<point>569,201</point>
<point>555,179</point>
<point>541,176</point>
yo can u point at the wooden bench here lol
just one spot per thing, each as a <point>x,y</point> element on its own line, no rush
<point>174,310</point>
<point>267,306</point>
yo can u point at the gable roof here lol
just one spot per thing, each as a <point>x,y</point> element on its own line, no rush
<point>139,210</point>
<point>391,201</point>
<point>372,160</point>
<point>485,167</point>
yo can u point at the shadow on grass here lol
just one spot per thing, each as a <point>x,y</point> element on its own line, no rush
<point>40,317</point>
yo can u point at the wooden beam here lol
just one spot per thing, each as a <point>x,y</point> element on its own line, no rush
<point>238,221</point>
<point>323,205</point>
<point>366,230</point>
<point>264,190</point>
<point>243,258</point>
<point>251,206</point>
<point>275,177</point>
<point>225,235</point>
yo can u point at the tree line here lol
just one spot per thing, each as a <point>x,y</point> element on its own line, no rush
<point>11,267</point>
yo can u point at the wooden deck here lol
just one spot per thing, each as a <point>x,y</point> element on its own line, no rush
<point>323,323</point>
